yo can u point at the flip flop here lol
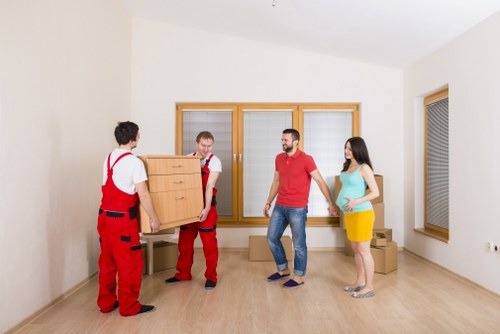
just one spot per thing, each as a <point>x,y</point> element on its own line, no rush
<point>367,294</point>
<point>276,276</point>
<point>292,284</point>
<point>354,288</point>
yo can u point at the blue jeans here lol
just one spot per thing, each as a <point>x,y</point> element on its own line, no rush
<point>281,217</point>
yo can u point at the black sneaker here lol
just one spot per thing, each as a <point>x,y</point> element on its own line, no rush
<point>172,280</point>
<point>209,284</point>
<point>145,309</point>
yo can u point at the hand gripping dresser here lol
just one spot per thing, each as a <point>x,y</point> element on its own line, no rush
<point>176,190</point>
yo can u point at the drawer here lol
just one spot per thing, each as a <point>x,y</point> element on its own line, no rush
<point>172,165</point>
<point>159,183</point>
<point>178,204</point>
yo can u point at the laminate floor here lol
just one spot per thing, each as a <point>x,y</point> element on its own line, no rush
<point>419,297</point>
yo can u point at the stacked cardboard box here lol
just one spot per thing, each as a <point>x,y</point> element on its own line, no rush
<point>385,257</point>
<point>383,249</point>
<point>258,249</point>
<point>164,257</point>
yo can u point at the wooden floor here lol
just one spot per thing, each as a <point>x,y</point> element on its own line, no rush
<point>417,298</point>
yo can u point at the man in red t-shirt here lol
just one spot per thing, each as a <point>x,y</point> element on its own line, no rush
<point>292,182</point>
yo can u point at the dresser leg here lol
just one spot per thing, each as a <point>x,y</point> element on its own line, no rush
<point>150,256</point>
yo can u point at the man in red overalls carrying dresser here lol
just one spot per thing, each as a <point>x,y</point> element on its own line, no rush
<point>211,167</point>
<point>124,184</point>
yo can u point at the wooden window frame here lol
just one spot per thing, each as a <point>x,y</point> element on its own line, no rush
<point>431,230</point>
<point>237,219</point>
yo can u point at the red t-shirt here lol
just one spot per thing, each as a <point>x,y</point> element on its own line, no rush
<point>295,178</point>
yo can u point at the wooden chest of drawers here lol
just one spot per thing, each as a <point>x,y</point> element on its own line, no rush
<point>176,190</point>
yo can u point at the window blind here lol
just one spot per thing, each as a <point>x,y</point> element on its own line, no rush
<point>219,123</point>
<point>261,143</point>
<point>325,134</point>
<point>437,165</point>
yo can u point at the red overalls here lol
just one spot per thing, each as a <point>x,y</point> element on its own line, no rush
<point>120,248</point>
<point>208,237</point>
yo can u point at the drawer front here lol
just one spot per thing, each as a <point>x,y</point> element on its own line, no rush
<point>158,183</point>
<point>177,204</point>
<point>161,166</point>
<point>195,200</point>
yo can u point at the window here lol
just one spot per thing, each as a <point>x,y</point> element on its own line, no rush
<point>260,128</point>
<point>436,165</point>
<point>247,140</point>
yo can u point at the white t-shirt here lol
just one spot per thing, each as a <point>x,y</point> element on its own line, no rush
<point>127,172</point>
<point>215,164</point>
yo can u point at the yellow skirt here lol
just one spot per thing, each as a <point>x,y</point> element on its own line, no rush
<point>359,225</point>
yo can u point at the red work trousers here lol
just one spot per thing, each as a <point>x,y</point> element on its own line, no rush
<point>208,235</point>
<point>121,254</point>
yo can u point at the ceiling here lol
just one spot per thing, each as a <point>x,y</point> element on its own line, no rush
<point>394,33</point>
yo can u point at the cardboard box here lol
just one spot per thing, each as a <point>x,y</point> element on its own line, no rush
<point>386,231</point>
<point>380,184</point>
<point>385,258</point>
<point>258,249</point>
<point>378,240</point>
<point>378,209</point>
<point>164,257</point>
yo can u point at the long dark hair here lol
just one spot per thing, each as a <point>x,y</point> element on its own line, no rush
<point>359,152</point>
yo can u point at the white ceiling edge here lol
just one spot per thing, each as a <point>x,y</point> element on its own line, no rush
<point>392,33</point>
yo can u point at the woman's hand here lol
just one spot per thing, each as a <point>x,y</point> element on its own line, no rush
<point>351,203</point>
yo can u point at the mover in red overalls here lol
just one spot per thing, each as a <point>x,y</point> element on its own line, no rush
<point>211,167</point>
<point>124,183</point>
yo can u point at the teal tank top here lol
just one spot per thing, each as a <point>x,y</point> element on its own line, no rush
<point>353,186</point>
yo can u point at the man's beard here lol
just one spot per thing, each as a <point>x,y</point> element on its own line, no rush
<point>287,149</point>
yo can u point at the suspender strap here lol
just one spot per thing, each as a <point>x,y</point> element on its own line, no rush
<point>119,158</point>
<point>208,160</point>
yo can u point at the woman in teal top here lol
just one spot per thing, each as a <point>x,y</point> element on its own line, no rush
<point>354,201</point>
<point>353,186</point>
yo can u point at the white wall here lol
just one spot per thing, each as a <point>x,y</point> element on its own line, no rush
<point>470,66</point>
<point>173,64</point>
<point>64,83</point>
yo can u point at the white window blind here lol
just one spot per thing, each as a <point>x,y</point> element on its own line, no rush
<point>219,123</point>
<point>262,131</point>
<point>325,133</point>
<point>437,166</point>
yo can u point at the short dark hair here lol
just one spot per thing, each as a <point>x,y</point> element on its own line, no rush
<point>295,134</point>
<point>204,135</point>
<point>125,132</point>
